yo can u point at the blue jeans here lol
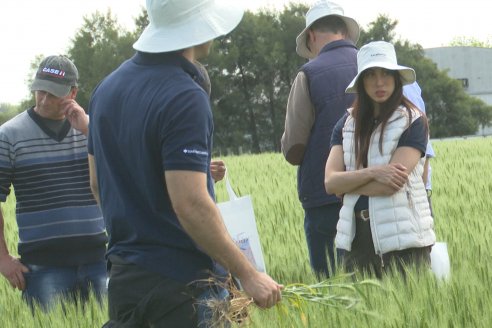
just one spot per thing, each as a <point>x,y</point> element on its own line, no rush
<point>46,283</point>
<point>320,226</point>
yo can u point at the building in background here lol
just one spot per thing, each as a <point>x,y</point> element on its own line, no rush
<point>470,65</point>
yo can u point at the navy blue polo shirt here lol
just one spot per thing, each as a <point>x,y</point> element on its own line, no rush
<point>147,117</point>
<point>414,136</point>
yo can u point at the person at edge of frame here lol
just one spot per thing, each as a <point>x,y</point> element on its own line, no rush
<point>43,156</point>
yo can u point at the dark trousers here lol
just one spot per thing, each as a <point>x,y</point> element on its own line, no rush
<point>138,298</point>
<point>320,226</point>
<point>363,255</point>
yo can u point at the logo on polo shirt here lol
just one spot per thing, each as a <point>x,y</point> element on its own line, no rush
<point>195,152</point>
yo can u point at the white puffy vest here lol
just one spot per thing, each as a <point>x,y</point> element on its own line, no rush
<point>400,221</point>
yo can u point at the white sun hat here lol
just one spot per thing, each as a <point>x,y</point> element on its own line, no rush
<point>180,24</point>
<point>380,54</point>
<point>320,9</point>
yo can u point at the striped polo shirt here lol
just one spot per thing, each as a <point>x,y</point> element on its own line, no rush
<point>58,218</point>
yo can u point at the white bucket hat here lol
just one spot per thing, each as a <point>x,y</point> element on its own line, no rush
<point>180,24</point>
<point>379,54</point>
<point>320,9</point>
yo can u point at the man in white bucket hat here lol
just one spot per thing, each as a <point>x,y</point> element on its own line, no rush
<point>150,142</point>
<point>316,102</point>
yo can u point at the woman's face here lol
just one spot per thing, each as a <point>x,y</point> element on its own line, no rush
<point>379,84</point>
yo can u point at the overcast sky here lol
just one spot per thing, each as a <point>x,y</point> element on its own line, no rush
<point>45,27</point>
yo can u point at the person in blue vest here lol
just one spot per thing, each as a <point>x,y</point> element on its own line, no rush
<point>150,147</point>
<point>43,156</point>
<point>316,102</point>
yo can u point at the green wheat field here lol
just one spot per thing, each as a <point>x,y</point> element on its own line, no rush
<point>462,192</point>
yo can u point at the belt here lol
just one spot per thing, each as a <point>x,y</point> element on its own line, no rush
<point>364,215</point>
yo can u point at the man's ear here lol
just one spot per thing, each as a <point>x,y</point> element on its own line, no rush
<point>73,92</point>
<point>310,38</point>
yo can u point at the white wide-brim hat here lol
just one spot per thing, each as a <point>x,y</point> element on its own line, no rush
<point>180,24</point>
<point>379,54</point>
<point>319,10</point>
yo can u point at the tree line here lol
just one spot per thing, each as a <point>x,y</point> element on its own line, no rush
<point>252,69</point>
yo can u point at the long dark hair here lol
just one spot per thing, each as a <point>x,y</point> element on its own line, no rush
<point>363,114</point>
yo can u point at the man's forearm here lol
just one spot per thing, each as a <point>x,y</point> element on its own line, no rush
<point>93,178</point>
<point>203,223</point>
<point>3,244</point>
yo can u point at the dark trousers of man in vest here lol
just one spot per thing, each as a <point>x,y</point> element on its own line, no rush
<point>320,226</point>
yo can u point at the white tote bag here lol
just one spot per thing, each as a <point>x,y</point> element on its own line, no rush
<point>440,261</point>
<point>239,219</point>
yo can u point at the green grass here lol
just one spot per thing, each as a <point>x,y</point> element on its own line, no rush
<point>462,189</point>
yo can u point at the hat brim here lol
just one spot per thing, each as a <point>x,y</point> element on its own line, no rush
<point>195,30</point>
<point>301,46</point>
<point>56,89</point>
<point>407,74</point>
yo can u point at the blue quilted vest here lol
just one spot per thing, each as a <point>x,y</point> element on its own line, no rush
<point>328,75</point>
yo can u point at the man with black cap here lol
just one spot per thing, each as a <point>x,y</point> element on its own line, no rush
<point>43,156</point>
<point>316,102</point>
<point>150,143</point>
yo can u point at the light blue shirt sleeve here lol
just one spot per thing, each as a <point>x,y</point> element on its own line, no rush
<point>414,94</point>
<point>429,152</point>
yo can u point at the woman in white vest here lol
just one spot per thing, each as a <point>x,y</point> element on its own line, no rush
<point>376,165</point>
